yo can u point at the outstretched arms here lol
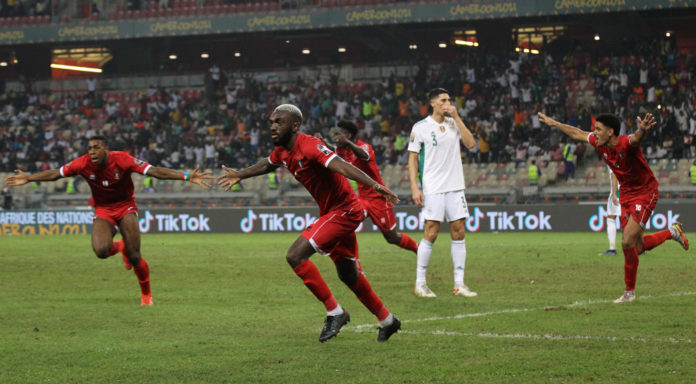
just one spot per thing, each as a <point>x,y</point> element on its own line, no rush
<point>195,176</point>
<point>348,170</point>
<point>644,125</point>
<point>21,178</point>
<point>572,132</point>
<point>232,176</point>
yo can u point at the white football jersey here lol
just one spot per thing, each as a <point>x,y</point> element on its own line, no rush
<point>440,162</point>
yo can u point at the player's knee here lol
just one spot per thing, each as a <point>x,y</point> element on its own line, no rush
<point>392,238</point>
<point>629,242</point>
<point>348,278</point>
<point>102,252</point>
<point>293,259</point>
<point>133,255</point>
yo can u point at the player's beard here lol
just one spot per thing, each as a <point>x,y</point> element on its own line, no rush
<point>282,139</point>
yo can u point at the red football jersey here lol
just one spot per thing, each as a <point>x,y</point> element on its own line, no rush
<point>368,166</point>
<point>627,162</point>
<point>111,185</point>
<point>308,161</point>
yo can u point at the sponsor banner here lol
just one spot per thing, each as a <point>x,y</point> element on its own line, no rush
<point>45,222</point>
<point>320,18</point>
<point>500,218</point>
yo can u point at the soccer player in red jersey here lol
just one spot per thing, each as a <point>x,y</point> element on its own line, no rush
<point>322,172</point>
<point>638,188</point>
<point>361,155</point>
<point>108,174</point>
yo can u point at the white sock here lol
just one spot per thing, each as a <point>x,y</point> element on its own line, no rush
<point>611,232</point>
<point>336,311</point>
<point>387,322</point>
<point>459,260</point>
<point>425,249</point>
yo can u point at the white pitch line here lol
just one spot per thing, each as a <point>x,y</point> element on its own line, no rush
<point>544,337</point>
<point>504,311</point>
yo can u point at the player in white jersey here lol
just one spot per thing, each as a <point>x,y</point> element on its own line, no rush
<point>434,151</point>
<point>613,211</point>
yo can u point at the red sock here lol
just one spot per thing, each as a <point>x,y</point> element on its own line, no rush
<point>312,279</point>
<point>630,267</point>
<point>368,297</point>
<point>116,247</point>
<point>408,243</point>
<point>655,239</point>
<point>142,272</point>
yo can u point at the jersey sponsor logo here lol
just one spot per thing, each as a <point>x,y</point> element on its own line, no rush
<point>324,150</point>
<point>639,207</point>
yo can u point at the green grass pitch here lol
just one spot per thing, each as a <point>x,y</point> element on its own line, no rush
<point>228,309</point>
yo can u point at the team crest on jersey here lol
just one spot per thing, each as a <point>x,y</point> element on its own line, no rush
<point>323,149</point>
<point>117,175</point>
<point>442,128</point>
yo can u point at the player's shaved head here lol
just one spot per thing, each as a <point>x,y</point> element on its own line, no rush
<point>290,109</point>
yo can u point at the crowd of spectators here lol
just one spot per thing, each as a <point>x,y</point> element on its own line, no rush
<point>21,8</point>
<point>498,96</point>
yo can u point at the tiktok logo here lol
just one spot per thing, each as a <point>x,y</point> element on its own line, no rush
<point>247,223</point>
<point>473,223</point>
<point>597,221</point>
<point>144,223</point>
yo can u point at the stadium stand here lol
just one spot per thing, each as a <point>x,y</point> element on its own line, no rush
<point>170,119</point>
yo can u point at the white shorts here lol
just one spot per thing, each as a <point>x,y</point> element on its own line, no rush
<point>450,206</point>
<point>612,209</point>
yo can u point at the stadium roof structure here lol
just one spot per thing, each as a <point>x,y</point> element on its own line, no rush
<point>317,18</point>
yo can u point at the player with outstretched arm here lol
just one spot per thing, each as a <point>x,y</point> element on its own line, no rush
<point>322,172</point>
<point>108,174</point>
<point>638,188</point>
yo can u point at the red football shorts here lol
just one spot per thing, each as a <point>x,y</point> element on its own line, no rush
<point>639,207</point>
<point>114,214</point>
<point>381,213</point>
<point>334,234</point>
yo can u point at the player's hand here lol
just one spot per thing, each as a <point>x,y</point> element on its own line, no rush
<point>386,192</point>
<point>20,178</point>
<point>200,178</point>
<point>417,197</point>
<point>230,178</point>
<point>647,123</point>
<point>340,139</point>
<point>545,119</point>
<point>615,200</point>
<point>450,110</point>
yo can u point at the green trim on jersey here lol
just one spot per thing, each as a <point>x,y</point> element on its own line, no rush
<point>421,164</point>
